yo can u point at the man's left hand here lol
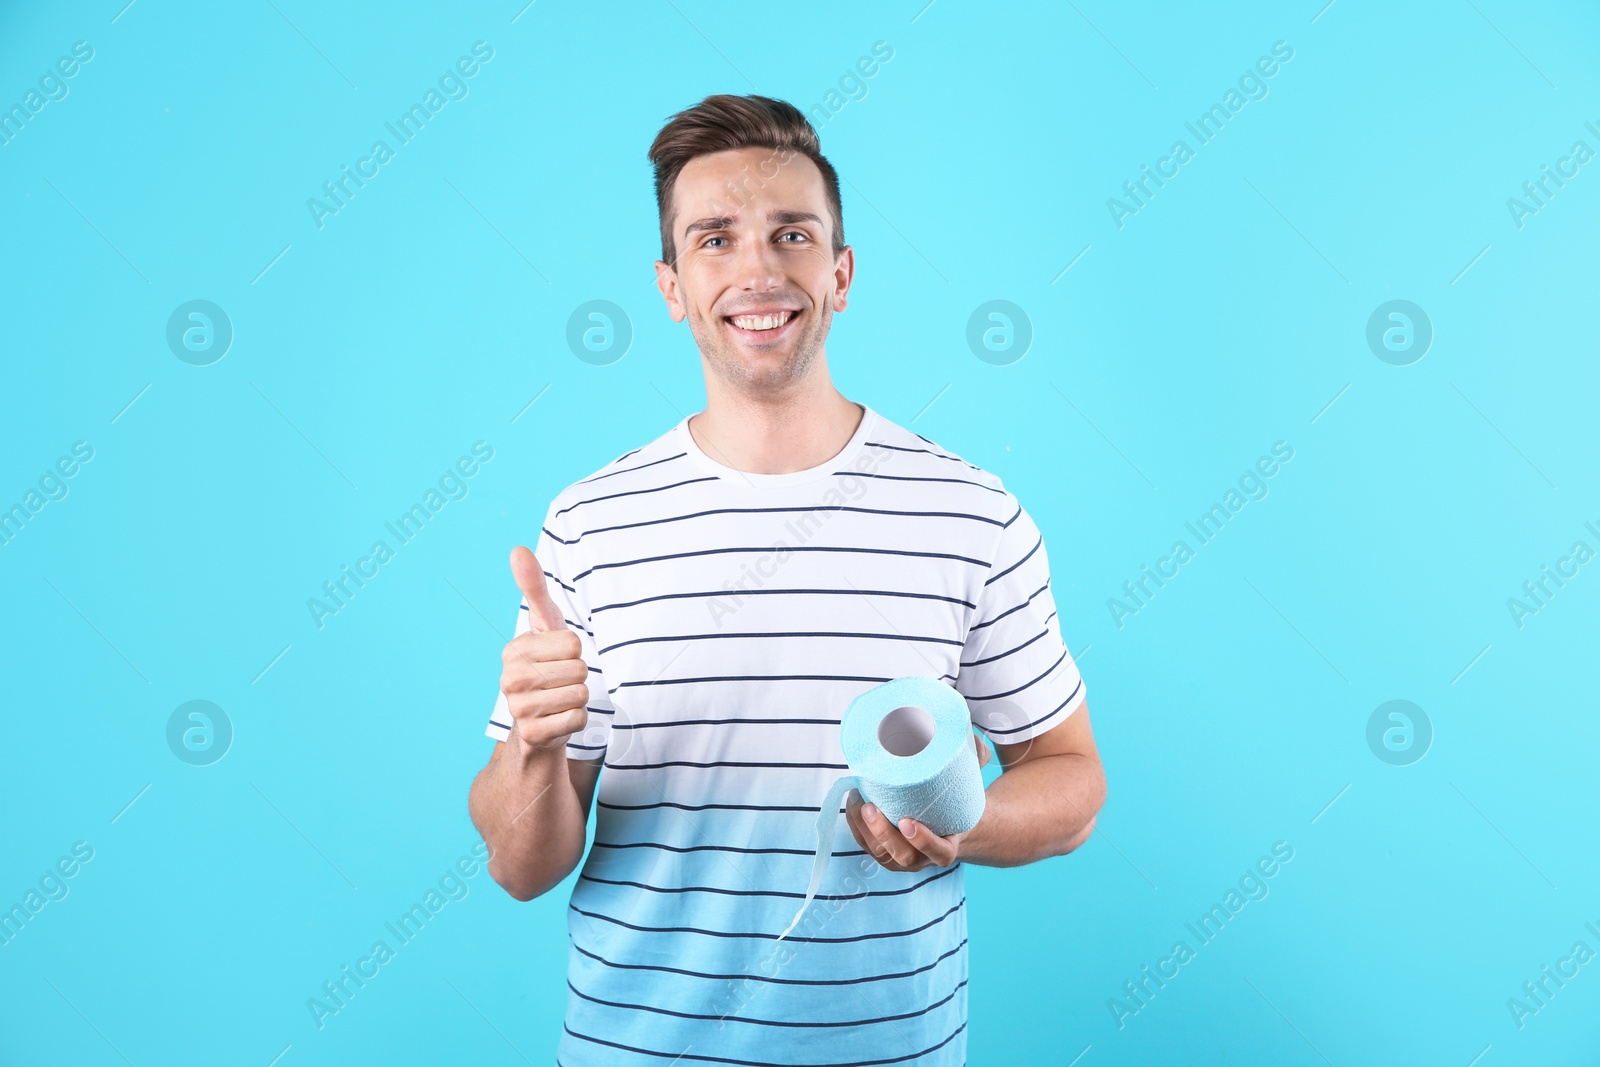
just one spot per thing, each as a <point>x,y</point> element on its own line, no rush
<point>909,846</point>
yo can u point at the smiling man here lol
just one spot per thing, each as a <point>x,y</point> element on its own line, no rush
<point>700,611</point>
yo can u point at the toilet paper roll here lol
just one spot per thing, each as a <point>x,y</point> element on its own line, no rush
<point>910,746</point>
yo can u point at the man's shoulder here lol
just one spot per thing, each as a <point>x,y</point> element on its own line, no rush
<point>628,471</point>
<point>900,453</point>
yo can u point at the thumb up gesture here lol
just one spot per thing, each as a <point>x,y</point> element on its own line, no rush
<point>542,673</point>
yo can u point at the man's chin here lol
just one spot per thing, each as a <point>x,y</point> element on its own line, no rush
<point>757,369</point>
<point>753,363</point>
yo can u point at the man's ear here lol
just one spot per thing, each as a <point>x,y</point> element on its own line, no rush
<point>844,272</point>
<point>667,282</point>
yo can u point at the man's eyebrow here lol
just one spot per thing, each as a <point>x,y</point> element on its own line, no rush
<point>720,222</point>
<point>787,217</point>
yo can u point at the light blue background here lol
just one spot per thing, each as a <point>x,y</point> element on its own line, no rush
<point>1228,314</point>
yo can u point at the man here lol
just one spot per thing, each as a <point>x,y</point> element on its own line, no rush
<point>701,611</point>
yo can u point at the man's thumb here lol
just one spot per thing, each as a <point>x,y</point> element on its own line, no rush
<point>543,614</point>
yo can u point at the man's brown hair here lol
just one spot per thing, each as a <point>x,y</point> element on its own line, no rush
<point>722,123</point>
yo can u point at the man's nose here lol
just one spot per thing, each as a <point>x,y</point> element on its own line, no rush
<point>757,266</point>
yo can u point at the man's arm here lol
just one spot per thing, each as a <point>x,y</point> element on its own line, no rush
<point>532,808</point>
<point>1014,667</point>
<point>1044,804</point>
<point>531,802</point>
<point>1045,801</point>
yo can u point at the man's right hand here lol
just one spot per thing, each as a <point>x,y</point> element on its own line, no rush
<point>543,671</point>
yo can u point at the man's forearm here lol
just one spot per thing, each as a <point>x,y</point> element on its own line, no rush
<point>528,812</point>
<point>1037,809</point>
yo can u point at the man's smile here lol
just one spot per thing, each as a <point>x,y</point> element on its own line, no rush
<point>762,325</point>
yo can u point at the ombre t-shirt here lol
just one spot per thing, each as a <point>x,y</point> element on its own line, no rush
<point>727,619</point>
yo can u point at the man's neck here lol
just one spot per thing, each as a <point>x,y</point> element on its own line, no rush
<point>760,437</point>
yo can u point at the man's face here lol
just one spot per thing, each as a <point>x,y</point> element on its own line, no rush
<point>756,276</point>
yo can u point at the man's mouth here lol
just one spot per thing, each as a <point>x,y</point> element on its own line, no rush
<point>762,326</point>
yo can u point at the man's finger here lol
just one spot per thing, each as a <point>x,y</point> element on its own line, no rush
<point>856,817</point>
<point>884,832</point>
<point>940,850</point>
<point>863,834</point>
<point>543,615</point>
<point>878,850</point>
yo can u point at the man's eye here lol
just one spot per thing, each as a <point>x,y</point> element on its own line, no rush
<point>794,233</point>
<point>707,243</point>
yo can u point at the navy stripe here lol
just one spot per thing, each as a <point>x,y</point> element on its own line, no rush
<point>770,892</point>
<point>773,937</point>
<point>1009,611</point>
<point>726,722</point>
<point>778,592</point>
<point>640,467</point>
<point>1024,685</point>
<point>829,508</point>
<point>628,685</point>
<point>774,981</point>
<point>727,763</point>
<point>934,444</point>
<point>765,678</point>
<point>1018,563</point>
<point>813,809</point>
<point>979,662</point>
<point>687,1055</point>
<point>632,492</point>
<point>767,547</point>
<point>937,455</point>
<point>1036,722</point>
<point>758,678</point>
<point>786,633</point>
<point>770,1022</point>
<point>721,848</point>
<point>910,478</point>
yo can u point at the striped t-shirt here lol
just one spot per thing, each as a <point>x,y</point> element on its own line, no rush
<point>727,619</point>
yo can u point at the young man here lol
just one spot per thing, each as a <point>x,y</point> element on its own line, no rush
<point>701,611</point>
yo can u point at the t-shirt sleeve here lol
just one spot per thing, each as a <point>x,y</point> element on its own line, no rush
<point>555,557</point>
<point>1016,672</point>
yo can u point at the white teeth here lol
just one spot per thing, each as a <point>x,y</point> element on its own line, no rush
<point>762,322</point>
